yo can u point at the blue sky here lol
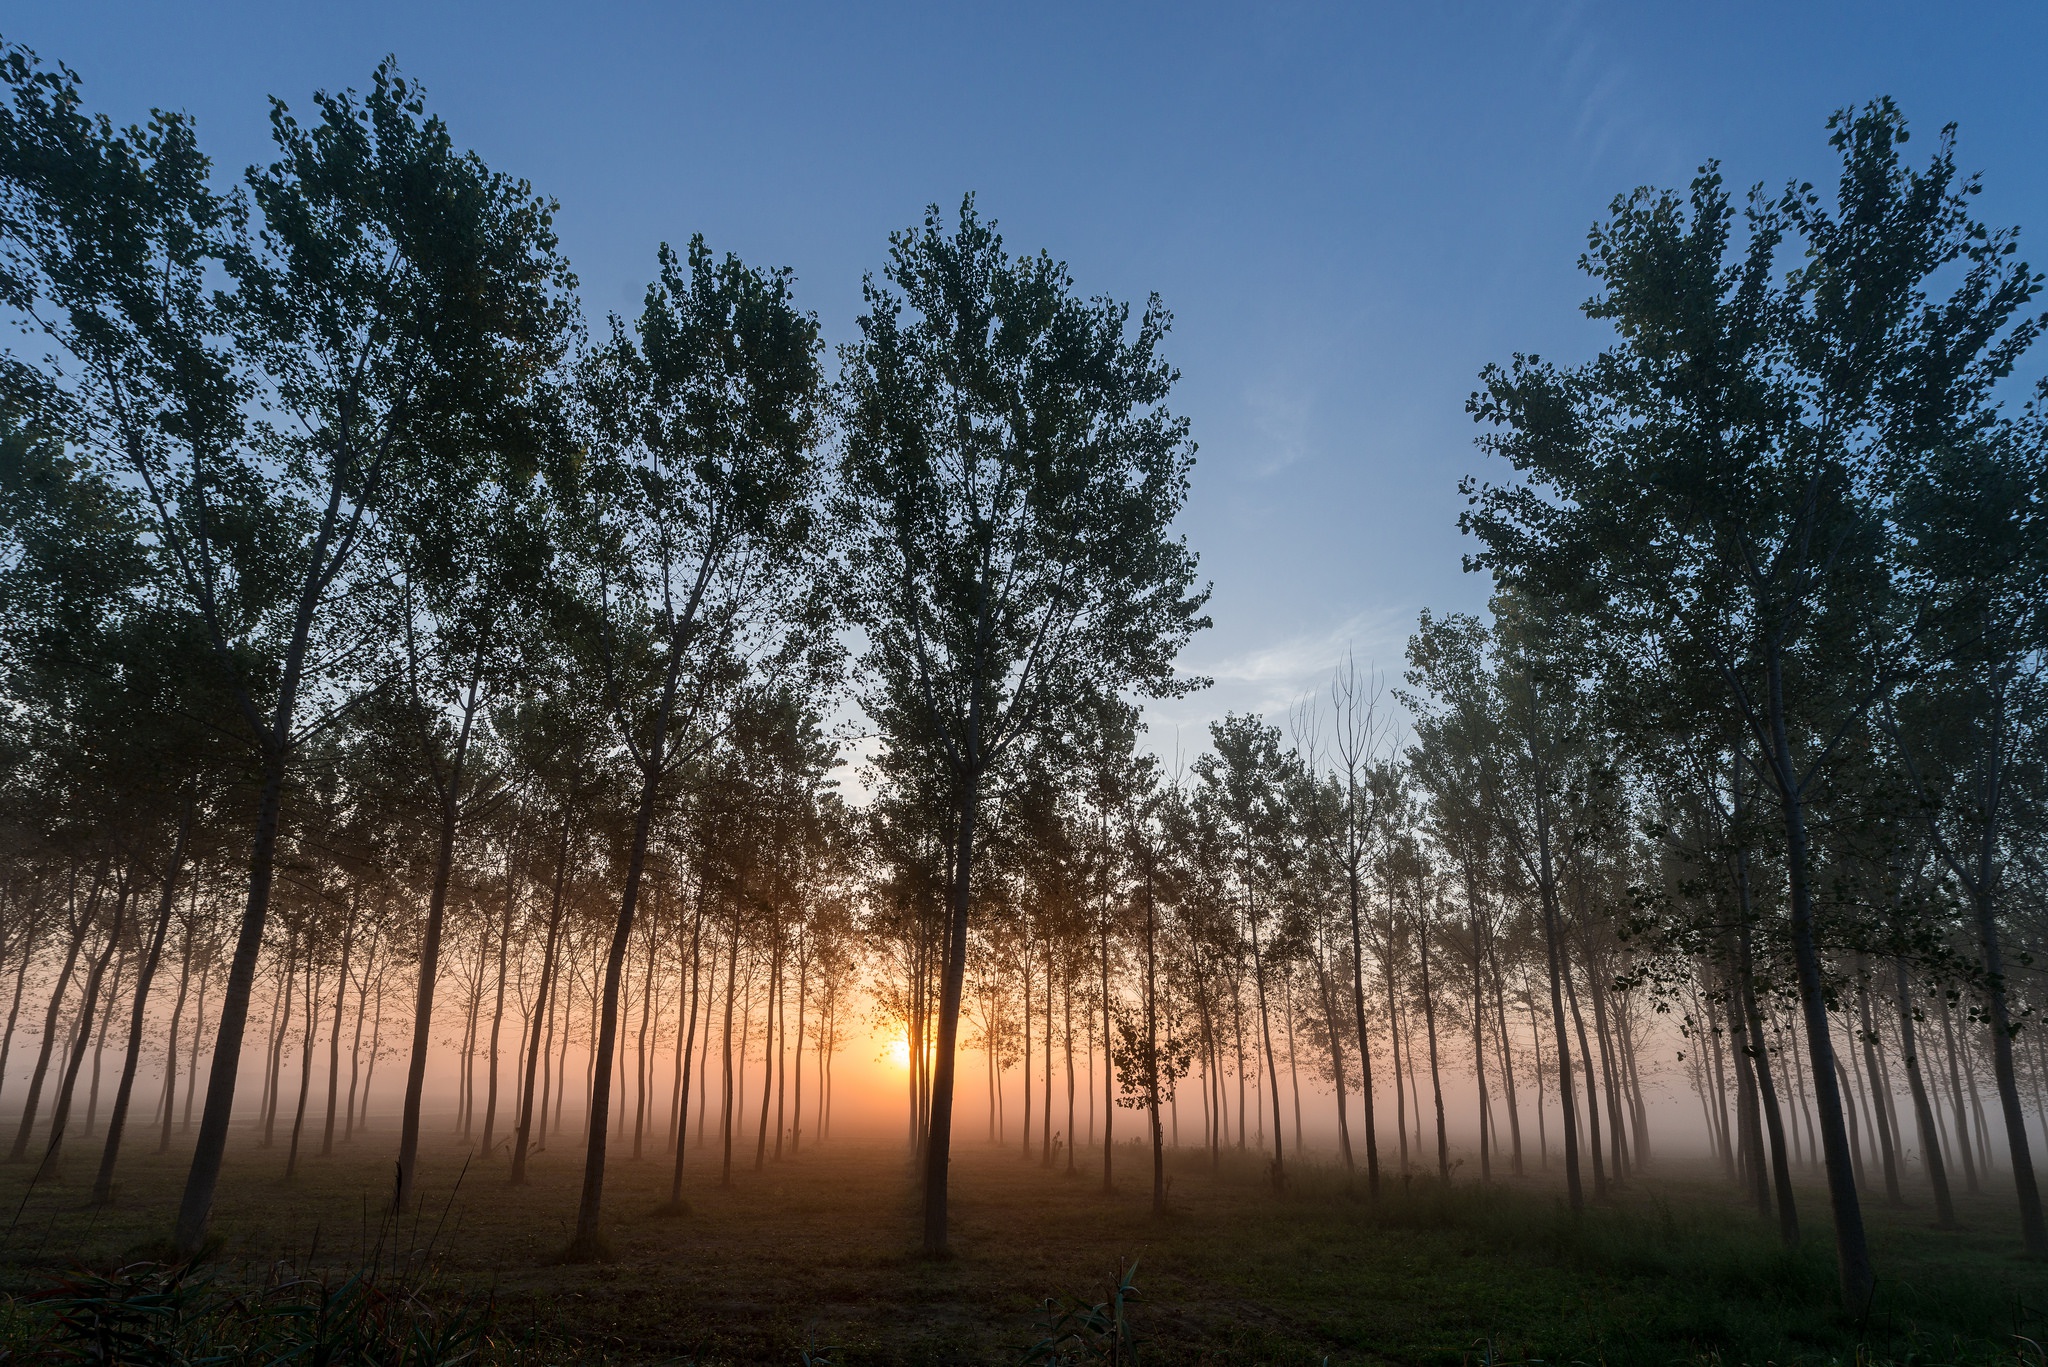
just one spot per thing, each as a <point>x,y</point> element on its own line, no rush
<point>1350,209</point>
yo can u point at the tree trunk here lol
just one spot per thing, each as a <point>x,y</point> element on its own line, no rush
<point>498,1007</point>
<point>1479,1050</point>
<point>198,1023</point>
<point>1882,1118</point>
<point>53,1015</point>
<point>2000,1029</point>
<point>291,1162</point>
<point>1571,995</point>
<point>1955,1083</point>
<point>1509,1085</point>
<point>99,1046</point>
<point>88,1004</point>
<point>1852,1247</point>
<point>1108,1071</point>
<point>1767,1094</point>
<point>103,1184</point>
<point>1567,1098</point>
<point>430,956</point>
<point>355,1048</point>
<point>796,1104</point>
<point>731,1099</point>
<point>675,1191</point>
<point>939,1133</point>
<point>1436,1082</point>
<point>27,950</point>
<point>1923,1112</point>
<point>348,940</point>
<point>543,1011</point>
<point>275,1085</point>
<point>1152,1046</point>
<point>170,1096</point>
<point>1365,1099</point>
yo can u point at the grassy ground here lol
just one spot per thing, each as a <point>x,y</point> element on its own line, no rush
<point>817,1252</point>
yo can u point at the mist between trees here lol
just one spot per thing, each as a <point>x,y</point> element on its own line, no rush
<point>408,681</point>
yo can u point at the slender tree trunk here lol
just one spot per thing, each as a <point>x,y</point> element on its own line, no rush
<point>99,1047</point>
<point>675,1191</point>
<point>1152,1045</point>
<point>291,1162</point>
<point>1067,1008</point>
<point>1571,996</point>
<point>1479,1050</point>
<point>1436,1083</point>
<point>284,1030</point>
<point>1567,1098</point>
<point>27,952</point>
<point>1923,1112</point>
<point>198,1023</point>
<point>103,1184</point>
<point>1365,1098</point>
<point>1045,1134</point>
<point>1025,1020</point>
<point>355,1048</point>
<point>773,994</point>
<point>543,1010</point>
<point>1293,1068</point>
<point>1955,1083</point>
<point>1394,1044</point>
<point>1767,1094</point>
<point>498,1007</point>
<point>1507,1058</point>
<point>642,1064</point>
<point>430,954</point>
<point>727,1117</point>
<point>52,1017</point>
<point>88,1003</point>
<point>1536,1064</point>
<point>2000,1030</point>
<point>348,940</point>
<point>1336,1043</point>
<point>796,1106</point>
<point>1108,1068</point>
<point>170,1096</point>
<point>1852,1248</point>
<point>939,1135</point>
<point>1868,1035</point>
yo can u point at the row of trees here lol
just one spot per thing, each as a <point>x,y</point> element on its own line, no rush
<point>385,650</point>
<point>334,538</point>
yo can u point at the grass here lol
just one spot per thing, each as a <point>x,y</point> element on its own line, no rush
<point>816,1256</point>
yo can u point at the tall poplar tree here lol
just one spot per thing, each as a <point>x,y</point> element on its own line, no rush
<point>1011,477</point>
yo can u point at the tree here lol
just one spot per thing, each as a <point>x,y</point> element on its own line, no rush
<point>1011,478</point>
<point>381,288</point>
<point>1717,471</point>
<point>695,558</point>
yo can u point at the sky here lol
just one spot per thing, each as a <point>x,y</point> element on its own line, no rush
<point>1350,209</point>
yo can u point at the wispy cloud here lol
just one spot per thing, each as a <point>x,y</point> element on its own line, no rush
<point>1269,678</point>
<point>1280,411</point>
<point>1375,634</point>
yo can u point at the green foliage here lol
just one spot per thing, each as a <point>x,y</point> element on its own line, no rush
<point>1084,1332</point>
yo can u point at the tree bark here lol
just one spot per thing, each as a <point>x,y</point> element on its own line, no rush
<point>53,1015</point>
<point>1923,1112</point>
<point>430,953</point>
<point>103,1184</point>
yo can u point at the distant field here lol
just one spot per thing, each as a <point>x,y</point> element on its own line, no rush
<point>817,1252</point>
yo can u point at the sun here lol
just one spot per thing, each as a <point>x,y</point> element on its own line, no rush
<point>899,1052</point>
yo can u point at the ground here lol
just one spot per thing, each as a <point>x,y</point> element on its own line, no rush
<point>816,1254</point>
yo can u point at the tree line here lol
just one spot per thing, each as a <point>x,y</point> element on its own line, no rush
<point>389,649</point>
